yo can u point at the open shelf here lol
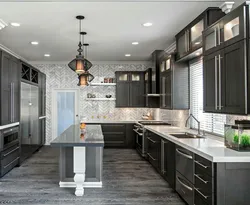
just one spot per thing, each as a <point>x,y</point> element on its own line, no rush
<point>100,99</point>
<point>102,84</point>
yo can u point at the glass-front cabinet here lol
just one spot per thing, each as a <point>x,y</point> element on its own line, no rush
<point>182,44</point>
<point>228,30</point>
<point>196,34</point>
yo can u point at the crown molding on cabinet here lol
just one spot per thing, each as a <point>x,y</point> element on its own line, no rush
<point>7,50</point>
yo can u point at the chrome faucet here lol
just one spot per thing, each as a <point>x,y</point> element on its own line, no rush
<point>199,124</point>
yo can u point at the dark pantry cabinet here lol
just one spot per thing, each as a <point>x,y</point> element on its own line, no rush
<point>42,94</point>
<point>10,89</point>
<point>130,89</point>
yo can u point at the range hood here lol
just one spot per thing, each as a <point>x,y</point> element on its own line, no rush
<point>154,74</point>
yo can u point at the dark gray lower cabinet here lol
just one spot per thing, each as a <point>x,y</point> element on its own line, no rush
<point>168,161</point>
<point>118,135</point>
<point>154,150</point>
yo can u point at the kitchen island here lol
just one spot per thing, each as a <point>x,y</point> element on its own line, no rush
<point>81,157</point>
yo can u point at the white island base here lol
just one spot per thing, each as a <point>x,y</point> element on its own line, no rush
<point>87,168</point>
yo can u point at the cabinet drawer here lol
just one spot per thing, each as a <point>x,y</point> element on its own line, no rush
<point>203,165</point>
<point>202,197</point>
<point>6,168</point>
<point>198,200</point>
<point>114,140</point>
<point>184,188</point>
<point>113,128</point>
<point>9,151</point>
<point>10,157</point>
<point>203,182</point>
<point>184,163</point>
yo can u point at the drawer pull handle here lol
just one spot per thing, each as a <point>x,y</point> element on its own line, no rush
<point>151,140</point>
<point>151,157</point>
<point>205,197</point>
<point>10,163</point>
<point>183,154</point>
<point>11,151</point>
<point>197,176</point>
<point>205,167</point>
<point>186,186</point>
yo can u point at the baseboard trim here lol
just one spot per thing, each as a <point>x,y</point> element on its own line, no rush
<point>85,185</point>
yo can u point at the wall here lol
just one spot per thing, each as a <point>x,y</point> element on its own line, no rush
<point>60,76</point>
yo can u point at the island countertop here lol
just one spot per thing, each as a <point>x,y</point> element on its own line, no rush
<point>71,137</point>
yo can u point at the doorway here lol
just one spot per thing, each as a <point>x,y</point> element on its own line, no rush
<point>65,109</point>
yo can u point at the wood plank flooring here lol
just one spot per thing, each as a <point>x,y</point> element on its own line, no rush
<point>127,180</point>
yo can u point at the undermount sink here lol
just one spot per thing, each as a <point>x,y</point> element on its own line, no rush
<point>186,135</point>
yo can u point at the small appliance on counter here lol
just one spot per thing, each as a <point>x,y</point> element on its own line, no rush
<point>237,137</point>
<point>149,116</point>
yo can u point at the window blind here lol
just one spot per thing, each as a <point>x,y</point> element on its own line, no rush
<point>213,123</point>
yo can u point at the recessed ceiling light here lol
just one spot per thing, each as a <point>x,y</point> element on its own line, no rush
<point>147,24</point>
<point>197,43</point>
<point>15,24</point>
<point>47,55</point>
<point>34,43</point>
<point>127,55</point>
<point>197,53</point>
<point>135,43</point>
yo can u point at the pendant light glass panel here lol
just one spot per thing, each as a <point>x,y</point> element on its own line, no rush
<point>85,79</point>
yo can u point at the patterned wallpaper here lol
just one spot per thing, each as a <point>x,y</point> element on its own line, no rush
<point>59,76</point>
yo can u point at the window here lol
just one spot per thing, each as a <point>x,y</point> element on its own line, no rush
<point>209,122</point>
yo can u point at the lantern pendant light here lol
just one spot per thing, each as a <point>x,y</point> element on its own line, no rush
<point>79,65</point>
<point>85,78</point>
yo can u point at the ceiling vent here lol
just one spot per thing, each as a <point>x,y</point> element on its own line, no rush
<point>227,6</point>
<point>2,24</point>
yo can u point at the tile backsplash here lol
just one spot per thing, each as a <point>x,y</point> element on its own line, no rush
<point>60,76</point>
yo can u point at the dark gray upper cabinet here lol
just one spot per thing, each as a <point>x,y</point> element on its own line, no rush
<point>42,94</point>
<point>224,80</point>
<point>174,81</point>
<point>130,89</point>
<point>189,40</point>
<point>226,64</point>
<point>228,30</point>
<point>10,89</point>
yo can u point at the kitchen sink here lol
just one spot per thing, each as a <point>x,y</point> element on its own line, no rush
<point>186,135</point>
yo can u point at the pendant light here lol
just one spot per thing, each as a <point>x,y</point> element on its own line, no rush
<point>85,78</point>
<point>79,65</point>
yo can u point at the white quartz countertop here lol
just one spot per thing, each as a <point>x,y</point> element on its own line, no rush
<point>109,121</point>
<point>211,148</point>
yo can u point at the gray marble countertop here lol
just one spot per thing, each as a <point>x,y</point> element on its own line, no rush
<point>208,147</point>
<point>71,137</point>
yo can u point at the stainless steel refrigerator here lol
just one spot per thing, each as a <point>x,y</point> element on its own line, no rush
<point>30,136</point>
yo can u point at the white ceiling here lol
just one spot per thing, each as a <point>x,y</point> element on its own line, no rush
<point>111,26</point>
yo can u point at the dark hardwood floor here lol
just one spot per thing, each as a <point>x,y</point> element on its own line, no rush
<point>127,180</point>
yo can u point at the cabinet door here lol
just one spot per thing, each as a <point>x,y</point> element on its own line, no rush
<point>122,94</point>
<point>234,26</point>
<point>196,35</point>
<point>5,89</point>
<point>15,78</point>
<point>210,83</point>
<point>137,98</point>
<point>232,82</point>
<point>212,39</point>
<point>166,90</point>
<point>182,45</point>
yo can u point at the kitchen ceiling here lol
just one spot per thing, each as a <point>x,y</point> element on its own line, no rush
<point>111,26</point>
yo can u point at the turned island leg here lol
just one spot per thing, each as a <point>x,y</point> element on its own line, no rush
<point>79,169</point>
